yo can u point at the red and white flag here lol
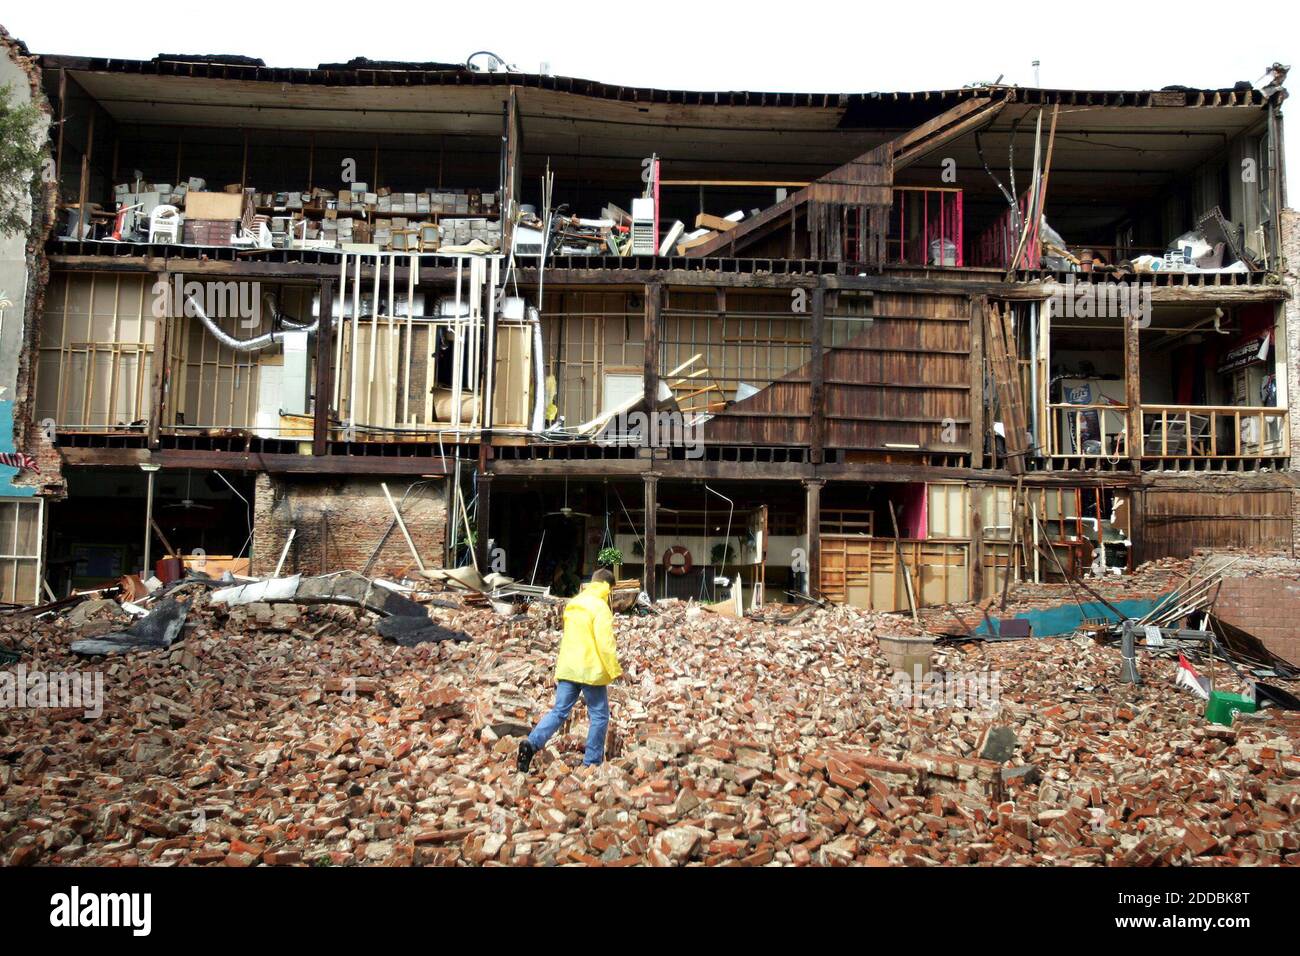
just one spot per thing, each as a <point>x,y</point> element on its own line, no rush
<point>19,460</point>
<point>1193,681</point>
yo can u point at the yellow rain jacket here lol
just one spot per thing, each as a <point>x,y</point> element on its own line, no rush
<point>587,653</point>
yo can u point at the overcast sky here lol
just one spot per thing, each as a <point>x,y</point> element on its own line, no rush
<point>813,45</point>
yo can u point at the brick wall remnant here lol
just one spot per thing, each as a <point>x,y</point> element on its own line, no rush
<point>339,522</point>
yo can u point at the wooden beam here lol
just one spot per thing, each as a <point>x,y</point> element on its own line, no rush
<point>977,400</point>
<point>929,137</point>
<point>653,322</point>
<point>1133,391</point>
<point>483,521</point>
<point>817,377</point>
<point>164,329</point>
<point>650,488</point>
<point>813,521</point>
<point>512,172</point>
<point>273,463</point>
<point>324,369</point>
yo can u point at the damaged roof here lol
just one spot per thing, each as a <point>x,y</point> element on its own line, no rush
<point>361,71</point>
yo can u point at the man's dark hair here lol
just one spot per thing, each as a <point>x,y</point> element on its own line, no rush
<point>603,576</point>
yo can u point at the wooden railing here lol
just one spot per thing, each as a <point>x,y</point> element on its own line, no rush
<point>1087,431</point>
<point>1214,431</point>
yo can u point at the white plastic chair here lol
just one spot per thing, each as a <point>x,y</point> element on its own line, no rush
<point>165,224</point>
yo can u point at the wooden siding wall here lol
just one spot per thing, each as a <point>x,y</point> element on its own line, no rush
<point>1177,522</point>
<point>902,381</point>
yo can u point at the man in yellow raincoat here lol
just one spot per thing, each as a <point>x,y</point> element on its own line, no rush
<point>586,664</point>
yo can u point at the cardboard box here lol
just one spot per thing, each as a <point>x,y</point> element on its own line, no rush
<point>224,206</point>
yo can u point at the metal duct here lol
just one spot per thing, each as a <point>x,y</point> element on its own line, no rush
<point>257,342</point>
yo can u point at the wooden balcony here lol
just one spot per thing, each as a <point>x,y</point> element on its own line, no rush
<point>1214,431</point>
<point>1177,436</point>
<point>1087,431</point>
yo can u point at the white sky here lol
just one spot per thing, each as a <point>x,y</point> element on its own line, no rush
<point>811,45</point>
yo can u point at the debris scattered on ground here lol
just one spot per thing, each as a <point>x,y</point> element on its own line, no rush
<point>296,734</point>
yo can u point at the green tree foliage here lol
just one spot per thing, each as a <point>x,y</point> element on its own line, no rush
<point>21,159</point>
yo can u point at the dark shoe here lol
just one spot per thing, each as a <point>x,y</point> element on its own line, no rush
<point>526,751</point>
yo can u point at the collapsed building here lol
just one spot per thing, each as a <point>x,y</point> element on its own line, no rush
<point>889,350</point>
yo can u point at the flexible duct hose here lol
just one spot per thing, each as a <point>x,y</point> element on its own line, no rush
<point>257,342</point>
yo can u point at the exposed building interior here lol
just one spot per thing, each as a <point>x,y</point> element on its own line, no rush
<point>905,344</point>
<point>896,478</point>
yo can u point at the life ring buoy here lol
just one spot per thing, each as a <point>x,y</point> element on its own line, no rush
<point>671,566</point>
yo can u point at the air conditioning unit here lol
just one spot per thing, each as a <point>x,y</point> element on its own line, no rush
<point>644,241</point>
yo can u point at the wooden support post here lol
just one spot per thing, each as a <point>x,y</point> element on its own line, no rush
<point>653,306</point>
<point>650,487</point>
<point>1133,390</point>
<point>813,519</point>
<point>63,123</point>
<point>83,190</point>
<point>817,378</point>
<point>162,336</point>
<point>511,173</point>
<point>483,522</point>
<point>978,402</point>
<point>324,369</point>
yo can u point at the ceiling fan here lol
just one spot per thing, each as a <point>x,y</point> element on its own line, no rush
<point>187,503</point>
<point>565,511</point>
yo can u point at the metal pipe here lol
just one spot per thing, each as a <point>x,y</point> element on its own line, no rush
<point>148,520</point>
<point>539,371</point>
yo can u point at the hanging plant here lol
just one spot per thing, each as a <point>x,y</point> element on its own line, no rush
<point>721,553</point>
<point>609,558</point>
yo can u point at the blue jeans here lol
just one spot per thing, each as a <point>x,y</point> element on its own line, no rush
<point>566,695</point>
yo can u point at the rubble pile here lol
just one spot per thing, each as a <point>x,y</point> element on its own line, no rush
<point>289,734</point>
<point>1148,581</point>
